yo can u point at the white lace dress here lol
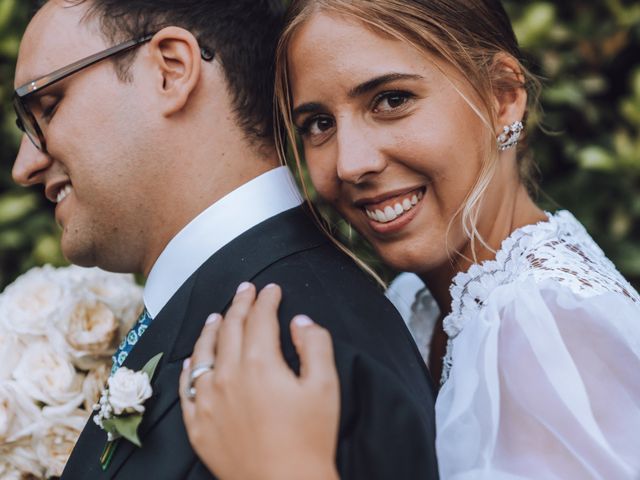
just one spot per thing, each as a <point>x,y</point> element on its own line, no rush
<point>542,373</point>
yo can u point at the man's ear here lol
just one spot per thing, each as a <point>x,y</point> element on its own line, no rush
<point>176,53</point>
<point>510,95</point>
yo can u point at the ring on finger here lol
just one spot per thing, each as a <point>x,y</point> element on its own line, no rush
<point>197,371</point>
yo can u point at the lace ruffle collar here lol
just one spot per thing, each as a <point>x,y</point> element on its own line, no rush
<point>469,290</point>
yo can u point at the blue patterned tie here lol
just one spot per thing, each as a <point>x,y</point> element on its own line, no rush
<point>141,325</point>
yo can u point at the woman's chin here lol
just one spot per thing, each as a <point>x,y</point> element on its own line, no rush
<point>408,256</point>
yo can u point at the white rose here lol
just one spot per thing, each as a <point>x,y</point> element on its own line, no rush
<point>9,472</point>
<point>91,333</point>
<point>7,413</point>
<point>46,375</point>
<point>32,304</point>
<point>93,385</point>
<point>117,290</point>
<point>128,390</point>
<point>19,457</point>
<point>18,413</point>
<point>55,440</point>
<point>11,347</point>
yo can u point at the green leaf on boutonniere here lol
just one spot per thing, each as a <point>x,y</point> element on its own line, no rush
<point>151,365</point>
<point>126,426</point>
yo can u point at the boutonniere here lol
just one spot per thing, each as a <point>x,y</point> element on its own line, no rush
<point>121,406</point>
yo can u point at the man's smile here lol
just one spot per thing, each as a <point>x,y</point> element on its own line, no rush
<point>57,191</point>
<point>63,193</point>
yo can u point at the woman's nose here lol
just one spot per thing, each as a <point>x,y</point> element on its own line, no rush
<point>359,156</point>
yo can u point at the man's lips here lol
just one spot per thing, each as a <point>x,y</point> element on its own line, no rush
<point>56,192</point>
<point>64,192</point>
<point>390,207</point>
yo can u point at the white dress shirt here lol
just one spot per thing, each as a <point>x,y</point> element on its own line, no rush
<point>254,202</point>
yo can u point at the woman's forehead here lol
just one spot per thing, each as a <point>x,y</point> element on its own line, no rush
<point>341,48</point>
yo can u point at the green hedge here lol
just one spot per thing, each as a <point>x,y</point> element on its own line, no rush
<point>589,162</point>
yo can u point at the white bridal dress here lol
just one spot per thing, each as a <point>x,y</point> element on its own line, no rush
<point>542,374</point>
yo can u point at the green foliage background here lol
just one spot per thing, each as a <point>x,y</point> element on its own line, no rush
<point>588,52</point>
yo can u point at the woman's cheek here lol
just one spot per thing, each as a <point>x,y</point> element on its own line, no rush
<point>324,182</point>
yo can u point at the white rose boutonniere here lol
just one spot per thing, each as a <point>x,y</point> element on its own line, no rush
<point>128,390</point>
<point>121,406</point>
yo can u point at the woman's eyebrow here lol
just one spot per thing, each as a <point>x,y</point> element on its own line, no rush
<point>358,90</point>
<point>311,107</point>
<point>374,83</point>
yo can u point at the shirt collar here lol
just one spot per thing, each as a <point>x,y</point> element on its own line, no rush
<point>252,203</point>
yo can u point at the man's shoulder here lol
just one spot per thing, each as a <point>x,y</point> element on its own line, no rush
<point>325,270</point>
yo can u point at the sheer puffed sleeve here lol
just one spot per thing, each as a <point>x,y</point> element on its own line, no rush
<point>544,384</point>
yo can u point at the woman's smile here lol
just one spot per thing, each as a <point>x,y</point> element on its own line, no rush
<point>390,213</point>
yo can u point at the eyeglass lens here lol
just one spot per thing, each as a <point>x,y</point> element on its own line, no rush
<point>25,122</point>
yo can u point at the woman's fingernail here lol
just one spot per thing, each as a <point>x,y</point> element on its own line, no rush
<point>243,286</point>
<point>271,285</point>
<point>302,321</point>
<point>186,363</point>
<point>213,318</point>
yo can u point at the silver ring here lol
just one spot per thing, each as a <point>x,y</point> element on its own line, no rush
<point>196,372</point>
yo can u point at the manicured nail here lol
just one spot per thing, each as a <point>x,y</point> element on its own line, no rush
<point>302,321</point>
<point>271,285</point>
<point>243,286</point>
<point>213,318</point>
<point>186,364</point>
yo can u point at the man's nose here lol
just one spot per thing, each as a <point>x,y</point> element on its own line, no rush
<point>359,156</point>
<point>30,164</point>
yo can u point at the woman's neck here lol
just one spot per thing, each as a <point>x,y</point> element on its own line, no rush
<point>516,212</point>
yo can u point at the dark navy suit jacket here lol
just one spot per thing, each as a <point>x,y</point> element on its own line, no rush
<point>387,426</point>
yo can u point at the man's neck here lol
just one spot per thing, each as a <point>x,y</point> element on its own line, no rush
<point>247,206</point>
<point>197,184</point>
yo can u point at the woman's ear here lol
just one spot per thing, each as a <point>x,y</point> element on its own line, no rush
<point>176,53</point>
<point>509,91</point>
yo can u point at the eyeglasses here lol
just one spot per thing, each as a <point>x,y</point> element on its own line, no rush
<point>26,119</point>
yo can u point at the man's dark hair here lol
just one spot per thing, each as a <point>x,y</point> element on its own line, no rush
<point>242,34</point>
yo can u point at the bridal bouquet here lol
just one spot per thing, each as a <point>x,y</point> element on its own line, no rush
<point>58,330</point>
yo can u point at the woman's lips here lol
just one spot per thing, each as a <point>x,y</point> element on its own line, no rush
<point>391,209</point>
<point>394,213</point>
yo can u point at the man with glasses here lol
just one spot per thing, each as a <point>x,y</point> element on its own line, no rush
<point>149,124</point>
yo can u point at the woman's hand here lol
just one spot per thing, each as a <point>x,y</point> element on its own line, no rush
<point>252,417</point>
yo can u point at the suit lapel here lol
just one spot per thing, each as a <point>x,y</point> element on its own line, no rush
<point>177,327</point>
<point>159,337</point>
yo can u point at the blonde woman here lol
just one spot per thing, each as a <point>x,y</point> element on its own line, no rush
<point>410,115</point>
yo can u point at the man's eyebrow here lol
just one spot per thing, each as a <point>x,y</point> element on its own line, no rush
<point>374,83</point>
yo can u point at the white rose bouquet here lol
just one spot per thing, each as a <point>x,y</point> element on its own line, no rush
<point>58,330</point>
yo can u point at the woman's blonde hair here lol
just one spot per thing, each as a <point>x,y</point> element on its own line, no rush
<point>469,35</point>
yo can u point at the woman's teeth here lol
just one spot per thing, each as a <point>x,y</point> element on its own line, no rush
<point>62,194</point>
<point>395,209</point>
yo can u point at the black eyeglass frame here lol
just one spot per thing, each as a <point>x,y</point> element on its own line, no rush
<point>21,108</point>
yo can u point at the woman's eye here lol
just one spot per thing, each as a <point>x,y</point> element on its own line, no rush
<point>391,101</point>
<point>315,126</point>
<point>321,125</point>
